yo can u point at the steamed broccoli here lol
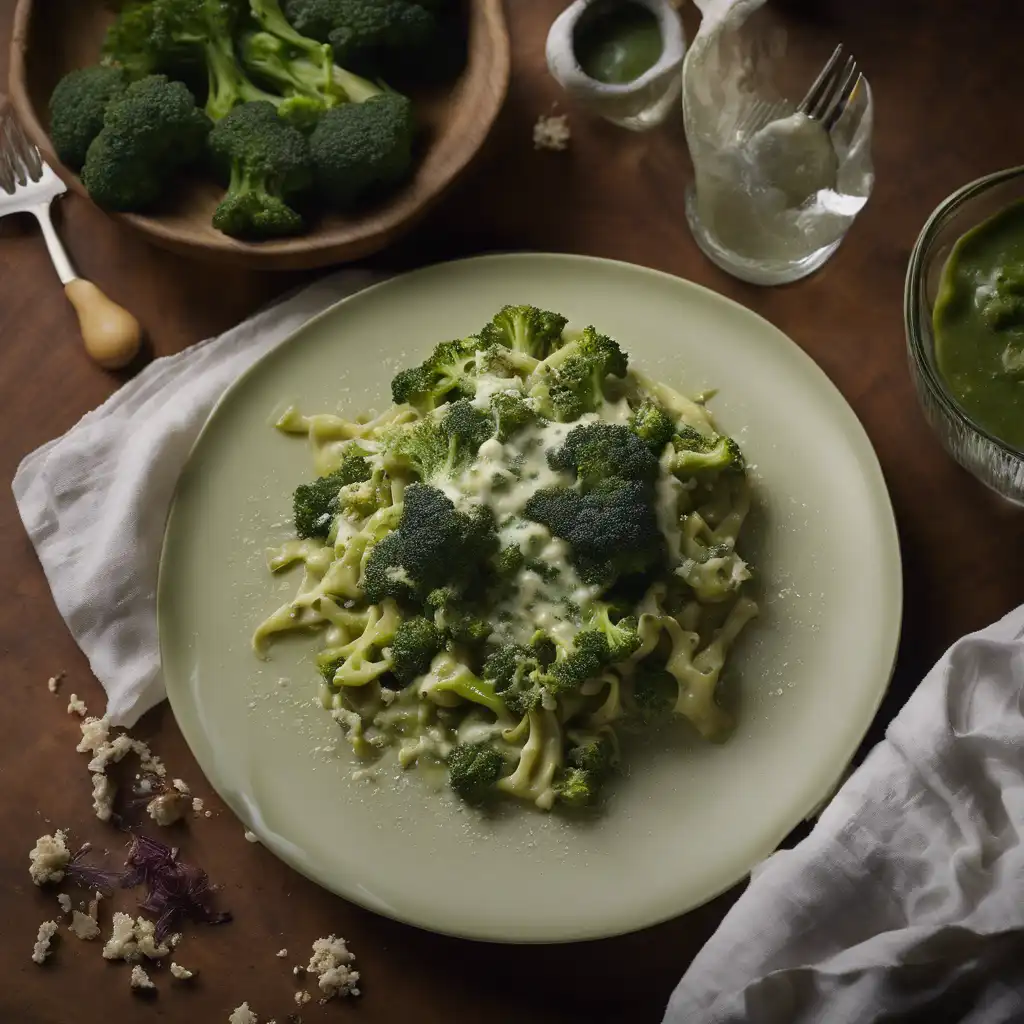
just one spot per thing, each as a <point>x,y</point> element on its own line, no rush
<point>77,107</point>
<point>535,332</point>
<point>597,452</point>
<point>473,768</point>
<point>694,452</point>
<point>416,642</point>
<point>267,164</point>
<point>449,372</point>
<point>517,673</point>
<point>361,149</point>
<point>612,529</point>
<point>652,425</point>
<point>509,560</point>
<point>434,545</point>
<point>150,132</point>
<point>439,449</point>
<point>171,31</point>
<point>586,658</point>
<point>572,379</point>
<point>620,632</point>
<point>314,505</point>
<point>654,693</point>
<point>365,33</point>
<point>511,414</point>
<point>589,763</point>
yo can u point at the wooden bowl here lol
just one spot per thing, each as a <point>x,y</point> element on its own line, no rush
<point>52,37</point>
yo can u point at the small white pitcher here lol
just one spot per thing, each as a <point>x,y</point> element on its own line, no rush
<point>638,105</point>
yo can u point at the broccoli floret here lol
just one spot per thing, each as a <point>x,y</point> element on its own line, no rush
<point>654,693</point>
<point>297,63</point>
<point>589,763</point>
<point>439,449</point>
<point>620,633</point>
<point>173,30</point>
<point>517,675</point>
<point>535,332</point>
<point>612,529</point>
<point>511,413</point>
<point>652,425</point>
<point>416,642</point>
<point>595,754</point>
<point>571,380</point>
<point>360,150</point>
<point>267,163</point>
<point>367,34</point>
<point>509,560</point>
<point>587,657</point>
<point>309,87</point>
<point>128,43</point>
<point>577,788</point>
<point>597,452</point>
<point>77,107</point>
<point>150,132</point>
<point>315,505</point>
<point>473,768</point>
<point>695,452</point>
<point>434,545</point>
<point>449,372</point>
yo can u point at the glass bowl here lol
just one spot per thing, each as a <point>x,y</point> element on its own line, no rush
<point>994,462</point>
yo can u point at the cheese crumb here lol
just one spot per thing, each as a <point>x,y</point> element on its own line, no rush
<point>103,793</point>
<point>121,945</point>
<point>131,938</point>
<point>150,762</point>
<point>48,858</point>
<point>53,683</point>
<point>330,962</point>
<point>242,1015</point>
<point>65,902</point>
<point>551,132</point>
<point>83,926</point>
<point>41,950</point>
<point>181,787</point>
<point>167,808</point>
<point>251,837</point>
<point>302,996</point>
<point>282,953</point>
<point>110,752</point>
<point>95,732</point>
<point>141,981</point>
<point>181,973</point>
<point>197,805</point>
<point>76,706</point>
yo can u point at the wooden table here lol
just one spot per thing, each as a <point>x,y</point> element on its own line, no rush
<point>944,80</point>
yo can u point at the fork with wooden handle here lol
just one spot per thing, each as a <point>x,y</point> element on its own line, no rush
<point>27,185</point>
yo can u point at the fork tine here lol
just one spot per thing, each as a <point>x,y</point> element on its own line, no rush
<point>24,150</point>
<point>839,81</point>
<point>842,98</point>
<point>821,84</point>
<point>13,159</point>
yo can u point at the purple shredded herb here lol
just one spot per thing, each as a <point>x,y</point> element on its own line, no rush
<point>89,877</point>
<point>176,891</point>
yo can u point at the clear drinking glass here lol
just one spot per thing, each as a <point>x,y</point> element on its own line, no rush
<point>994,462</point>
<point>769,202</point>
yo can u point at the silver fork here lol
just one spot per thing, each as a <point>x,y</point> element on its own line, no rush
<point>825,101</point>
<point>111,334</point>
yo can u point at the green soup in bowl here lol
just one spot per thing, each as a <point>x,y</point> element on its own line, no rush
<point>964,318</point>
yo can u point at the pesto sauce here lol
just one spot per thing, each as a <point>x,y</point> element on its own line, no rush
<point>979,324</point>
<point>618,42</point>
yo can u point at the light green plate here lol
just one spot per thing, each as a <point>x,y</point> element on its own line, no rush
<point>689,819</point>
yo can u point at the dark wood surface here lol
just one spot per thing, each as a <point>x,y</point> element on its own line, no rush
<point>945,80</point>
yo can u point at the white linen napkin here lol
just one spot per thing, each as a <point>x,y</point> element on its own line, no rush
<point>906,901</point>
<point>95,501</point>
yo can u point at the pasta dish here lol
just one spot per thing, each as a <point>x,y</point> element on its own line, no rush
<point>532,548</point>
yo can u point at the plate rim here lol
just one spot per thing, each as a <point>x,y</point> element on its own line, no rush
<point>823,793</point>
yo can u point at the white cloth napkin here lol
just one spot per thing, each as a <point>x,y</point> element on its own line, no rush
<point>95,501</point>
<point>906,902</point>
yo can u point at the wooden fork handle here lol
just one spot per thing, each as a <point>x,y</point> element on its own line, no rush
<point>111,334</point>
